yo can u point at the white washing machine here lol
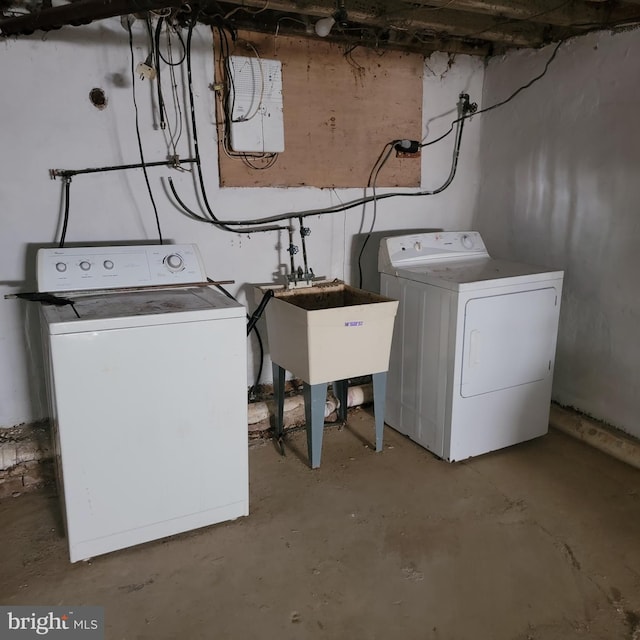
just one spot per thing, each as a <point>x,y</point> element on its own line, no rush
<point>474,344</point>
<point>147,390</point>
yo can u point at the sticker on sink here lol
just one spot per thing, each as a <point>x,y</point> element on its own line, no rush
<point>354,323</point>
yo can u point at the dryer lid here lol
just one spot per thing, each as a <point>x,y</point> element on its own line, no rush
<point>477,273</point>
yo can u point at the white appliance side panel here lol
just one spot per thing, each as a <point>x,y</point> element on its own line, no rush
<point>421,365</point>
<point>509,340</point>
<point>53,412</point>
<point>390,287</point>
<point>152,429</point>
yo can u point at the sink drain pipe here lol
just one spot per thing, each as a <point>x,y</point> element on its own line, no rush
<point>261,412</point>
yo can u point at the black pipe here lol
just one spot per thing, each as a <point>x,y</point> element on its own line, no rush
<point>257,314</point>
<point>291,251</point>
<point>158,81</point>
<point>68,173</point>
<point>459,123</point>
<point>67,188</point>
<point>303,233</point>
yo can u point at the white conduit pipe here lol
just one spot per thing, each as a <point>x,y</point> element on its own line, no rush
<point>356,396</point>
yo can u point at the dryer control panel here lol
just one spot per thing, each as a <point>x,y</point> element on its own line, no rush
<point>419,248</point>
<point>92,268</point>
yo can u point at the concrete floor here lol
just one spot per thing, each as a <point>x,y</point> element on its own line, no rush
<point>540,541</point>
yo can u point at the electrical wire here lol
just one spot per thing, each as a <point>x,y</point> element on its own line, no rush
<point>502,102</point>
<point>170,61</point>
<point>135,106</point>
<point>194,130</point>
<point>195,216</point>
<point>457,124</point>
<point>270,162</point>
<point>444,6</point>
<point>230,89</point>
<point>212,219</point>
<point>228,106</point>
<point>416,7</point>
<point>253,328</point>
<point>175,132</point>
<point>302,22</point>
<point>175,135</point>
<point>65,217</point>
<point>359,201</point>
<point>380,162</point>
<point>256,111</point>
<point>515,20</point>
<point>164,13</point>
<point>253,13</point>
<point>156,51</point>
<point>620,24</point>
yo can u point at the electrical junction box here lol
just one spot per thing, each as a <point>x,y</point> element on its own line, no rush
<point>255,105</point>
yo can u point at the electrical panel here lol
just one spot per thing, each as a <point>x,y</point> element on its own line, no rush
<point>255,105</point>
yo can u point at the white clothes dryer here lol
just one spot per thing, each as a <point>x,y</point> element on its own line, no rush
<point>474,343</point>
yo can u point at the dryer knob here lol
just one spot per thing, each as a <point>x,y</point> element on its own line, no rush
<point>174,261</point>
<point>61,267</point>
<point>85,265</point>
<point>467,242</point>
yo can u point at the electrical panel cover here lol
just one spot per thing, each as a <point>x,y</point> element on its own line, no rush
<point>255,105</point>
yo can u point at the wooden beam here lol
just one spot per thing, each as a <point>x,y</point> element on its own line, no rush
<point>403,41</point>
<point>545,11</point>
<point>78,13</point>
<point>484,27</point>
<point>440,23</point>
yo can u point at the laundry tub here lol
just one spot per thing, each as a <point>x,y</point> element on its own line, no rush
<point>324,334</point>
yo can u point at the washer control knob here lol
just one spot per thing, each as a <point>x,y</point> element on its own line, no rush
<point>85,266</point>
<point>108,264</point>
<point>467,242</point>
<point>61,267</point>
<point>417,246</point>
<point>174,262</point>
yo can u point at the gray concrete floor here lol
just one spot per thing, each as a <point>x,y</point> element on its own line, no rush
<point>539,541</point>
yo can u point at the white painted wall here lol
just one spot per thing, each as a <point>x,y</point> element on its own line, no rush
<point>559,187</point>
<point>48,122</point>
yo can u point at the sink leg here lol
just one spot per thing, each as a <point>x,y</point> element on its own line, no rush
<point>278,396</point>
<point>315,398</point>
<point>340,390</point>
<point>379,391</point>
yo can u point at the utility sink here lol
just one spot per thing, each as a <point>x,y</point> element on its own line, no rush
<point>330,331</point>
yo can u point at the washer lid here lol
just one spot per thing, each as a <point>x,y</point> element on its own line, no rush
<point>140,309</point>
<point>476,273</point>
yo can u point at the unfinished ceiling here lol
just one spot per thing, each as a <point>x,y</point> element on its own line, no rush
<point>477,27</point>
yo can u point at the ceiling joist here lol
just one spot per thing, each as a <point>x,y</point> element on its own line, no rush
<point>477,27</point>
